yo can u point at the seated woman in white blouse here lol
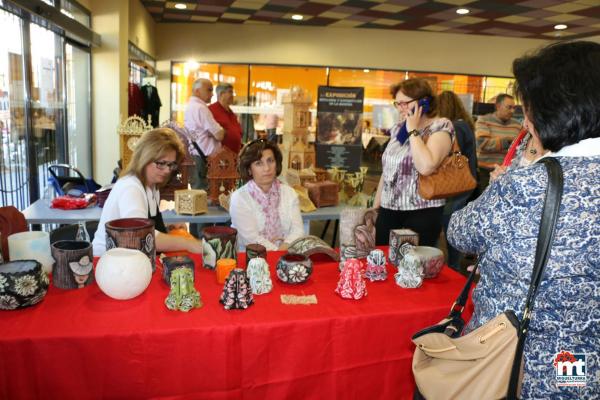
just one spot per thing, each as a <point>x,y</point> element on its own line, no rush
<point>264,210</point>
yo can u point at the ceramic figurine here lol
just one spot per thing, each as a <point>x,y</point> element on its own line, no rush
<point>237,293</point>
<point>376,270</point>
<point>183,295</point>
<point>22,283</point>
<point>351,284</point>
<point>259,276</point>
<point>410,271</point>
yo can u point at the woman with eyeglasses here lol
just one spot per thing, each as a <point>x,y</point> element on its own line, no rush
<point>135,195</point>
<point>264,210</point>
<point>418,145</point>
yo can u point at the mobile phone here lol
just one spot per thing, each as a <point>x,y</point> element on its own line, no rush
<point>424,103</point>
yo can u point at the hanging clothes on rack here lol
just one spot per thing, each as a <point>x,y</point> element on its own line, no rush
<point>136,100</point>
<point>152,103</point>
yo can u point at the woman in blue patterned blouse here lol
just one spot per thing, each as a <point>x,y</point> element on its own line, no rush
<point>559,87</point>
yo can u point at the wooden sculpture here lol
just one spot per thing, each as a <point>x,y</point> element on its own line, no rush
<point>222,173</point>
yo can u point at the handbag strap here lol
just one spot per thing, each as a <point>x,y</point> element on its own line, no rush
<point>542,253</point>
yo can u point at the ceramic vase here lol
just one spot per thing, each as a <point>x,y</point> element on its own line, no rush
<point>73,268</point>
<point>22,283</point>
<point>218,242</point>
<point>132,233</point>
<point>34,245</point>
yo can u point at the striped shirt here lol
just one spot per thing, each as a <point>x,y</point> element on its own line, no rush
<point>494,138</point>
<point>400,177</point>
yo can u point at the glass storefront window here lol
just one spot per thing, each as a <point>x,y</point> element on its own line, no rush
<point>75,11</point>
<point>77,64</point>
<point>13,153</point>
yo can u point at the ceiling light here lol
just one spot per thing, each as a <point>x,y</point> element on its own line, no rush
<point>560,27</point>
<point>297,17</point>
<point>366,70</point>
<point>180,6</point>
<point>463,11</point>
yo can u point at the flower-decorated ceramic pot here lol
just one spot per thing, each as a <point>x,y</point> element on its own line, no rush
<point>22,284</point>
<point>123,273</point>
<point>294,268</point>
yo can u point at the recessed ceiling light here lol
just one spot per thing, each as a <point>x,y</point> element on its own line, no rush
<point>366,70</point>
<point>560,27</point>
<point>180,6</point>
<point>463,11</point>
<point>297,17</point>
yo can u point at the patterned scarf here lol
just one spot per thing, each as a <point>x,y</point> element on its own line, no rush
<point>269,202</point>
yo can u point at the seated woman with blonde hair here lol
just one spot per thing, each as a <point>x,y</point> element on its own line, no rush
<point>157,155</point>
<point>264,210</point>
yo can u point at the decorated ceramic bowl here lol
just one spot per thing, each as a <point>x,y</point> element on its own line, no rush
<point>294,268</point>
<point>22,284</point>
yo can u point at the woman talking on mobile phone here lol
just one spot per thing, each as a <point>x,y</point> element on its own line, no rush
<point>418,145</point>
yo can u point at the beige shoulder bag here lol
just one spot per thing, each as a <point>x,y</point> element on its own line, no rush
<point>487,362</point>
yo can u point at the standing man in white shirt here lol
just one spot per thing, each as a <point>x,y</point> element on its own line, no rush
<point>206,133</point>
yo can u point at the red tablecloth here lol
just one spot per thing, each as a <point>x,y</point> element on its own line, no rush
<point>81,344</point>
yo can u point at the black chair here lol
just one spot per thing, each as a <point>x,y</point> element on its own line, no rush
<point>68,232</point>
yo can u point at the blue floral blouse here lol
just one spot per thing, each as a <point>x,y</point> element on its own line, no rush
<point>502,226</point>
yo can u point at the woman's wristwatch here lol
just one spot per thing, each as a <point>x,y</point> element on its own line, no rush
<point>414,132</point>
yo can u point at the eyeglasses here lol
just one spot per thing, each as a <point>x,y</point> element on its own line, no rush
<point>403,103</point>
<point>172,165</point>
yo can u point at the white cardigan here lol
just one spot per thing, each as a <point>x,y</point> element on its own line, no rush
<point>248,218</point>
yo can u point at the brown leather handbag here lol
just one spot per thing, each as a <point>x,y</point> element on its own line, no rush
<point>487,362</point>
<point>452,177</point>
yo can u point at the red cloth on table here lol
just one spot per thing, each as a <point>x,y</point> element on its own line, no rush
<point>82,344</point>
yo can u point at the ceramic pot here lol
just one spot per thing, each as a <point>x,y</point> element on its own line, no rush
<point>34,245</point>
<point>254,250</point>
<point>123,273</point>
<point>22,284</point>
<point>431,259</point>
<point>74,267</point>
<point>218,242</point>
<point>132,233</point>
<point>294,268</point>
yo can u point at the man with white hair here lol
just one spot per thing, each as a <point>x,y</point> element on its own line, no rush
<point>206,133</point>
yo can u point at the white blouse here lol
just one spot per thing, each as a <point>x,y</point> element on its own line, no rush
<point>248,218</point>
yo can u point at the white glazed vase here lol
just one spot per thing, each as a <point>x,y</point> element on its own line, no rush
<point>123,273</point>
<point>259,276</point>
<point>33,245</point>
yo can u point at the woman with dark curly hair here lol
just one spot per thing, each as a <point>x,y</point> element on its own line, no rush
<point>264,210</point>
<point>559,87</point>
